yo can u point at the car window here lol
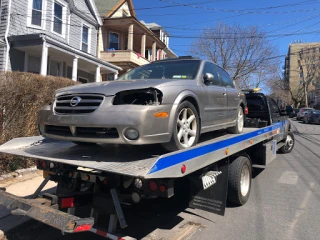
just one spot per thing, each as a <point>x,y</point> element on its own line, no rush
<point>210,68</point>
<point>273,106</point>
<point>172,70</point>
<point>226,81</point>
<point>256,104</point>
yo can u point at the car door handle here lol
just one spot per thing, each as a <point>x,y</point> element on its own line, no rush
<point>224,94</point>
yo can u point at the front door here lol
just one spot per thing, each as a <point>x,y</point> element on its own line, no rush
<point>215,99</point>
<point>233,95</point>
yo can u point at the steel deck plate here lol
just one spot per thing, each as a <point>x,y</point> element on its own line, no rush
<point>121,159</point>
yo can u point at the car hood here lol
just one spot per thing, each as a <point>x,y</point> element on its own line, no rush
<point>113,87</point>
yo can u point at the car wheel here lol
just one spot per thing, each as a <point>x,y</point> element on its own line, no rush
<point>186,128</point>
<point>238,128</point>
<point>289,144</point>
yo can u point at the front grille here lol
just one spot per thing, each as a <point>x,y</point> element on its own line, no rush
<point>77,103</point>
<point>58,130</point>
<point>83,132</point>
<point>87,132</point>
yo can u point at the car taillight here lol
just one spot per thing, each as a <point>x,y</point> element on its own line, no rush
<point>246,111</point>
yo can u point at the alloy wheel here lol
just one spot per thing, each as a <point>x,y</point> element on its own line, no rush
<point>186,127</point>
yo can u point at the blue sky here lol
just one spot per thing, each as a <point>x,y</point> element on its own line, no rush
<point>300,17</point>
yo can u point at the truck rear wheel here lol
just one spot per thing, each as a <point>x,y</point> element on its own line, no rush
<point>289,144</point>
<point>239,181</point>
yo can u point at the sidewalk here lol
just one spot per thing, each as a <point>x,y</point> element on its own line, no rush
<point>23,189</point>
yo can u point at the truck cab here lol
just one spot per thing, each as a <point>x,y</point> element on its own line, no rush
<point>264,111</point>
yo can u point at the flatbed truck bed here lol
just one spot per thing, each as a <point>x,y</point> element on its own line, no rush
<point>139,161</point>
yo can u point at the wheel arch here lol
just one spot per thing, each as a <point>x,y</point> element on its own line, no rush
<point>186,95</point>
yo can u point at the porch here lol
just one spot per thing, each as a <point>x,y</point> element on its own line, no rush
<point>128,43</point>
<point>45,57</point>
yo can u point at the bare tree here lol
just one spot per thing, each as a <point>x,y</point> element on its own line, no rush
<point>303,78</point>
<point>245,53</point>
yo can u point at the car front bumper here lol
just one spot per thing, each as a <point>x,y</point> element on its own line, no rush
<point>120,117</point>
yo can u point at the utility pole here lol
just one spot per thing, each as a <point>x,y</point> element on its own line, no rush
<point>305,91</point>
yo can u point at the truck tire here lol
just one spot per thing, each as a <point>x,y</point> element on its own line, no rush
<point>289,144</point>
<point>238,128</point>
<point>239,181</point>
<point>190,129</point>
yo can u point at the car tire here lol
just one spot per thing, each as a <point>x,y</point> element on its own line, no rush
<point>239,181</point>
<point>238,128</point>
<point>84,143</point>
<point>183,130</point>
<point>289,144</point>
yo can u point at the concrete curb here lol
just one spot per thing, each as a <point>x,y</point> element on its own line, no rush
<point>17,173</point>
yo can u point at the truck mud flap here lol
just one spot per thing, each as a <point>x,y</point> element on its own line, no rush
<point>209,190</point>
<point>41,210</point>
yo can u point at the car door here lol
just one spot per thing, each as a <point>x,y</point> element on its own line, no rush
<point>215,100</point>
<point>233,94</point>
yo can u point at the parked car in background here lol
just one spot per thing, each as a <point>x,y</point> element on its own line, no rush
<point>302,112</point>
<point>289,110</point>
<point>170,101</point>
<point>294,113</point>
<point>312,116</point>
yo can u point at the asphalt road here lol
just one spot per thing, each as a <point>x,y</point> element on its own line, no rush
<point>284,204</point>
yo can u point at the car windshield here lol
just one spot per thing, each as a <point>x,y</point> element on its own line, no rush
<point>183,69</point>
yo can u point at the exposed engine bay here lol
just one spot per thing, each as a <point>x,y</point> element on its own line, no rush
<point>150,96</point>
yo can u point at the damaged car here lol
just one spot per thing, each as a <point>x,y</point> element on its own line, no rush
<point>171,102</point>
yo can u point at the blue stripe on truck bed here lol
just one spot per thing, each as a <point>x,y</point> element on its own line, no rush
<point>169,161</point>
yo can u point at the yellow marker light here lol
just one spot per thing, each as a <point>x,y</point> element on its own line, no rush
<point>257,89</point>
<point>251,141</point>
<point>227,151</point>
<point>267,135</point>
<point>161,114</point>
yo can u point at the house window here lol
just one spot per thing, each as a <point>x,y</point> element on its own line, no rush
<point>85,39</point>
<point>36,12</point>
<point>114,41</point>
<point>57,21</point>
<point>83,80</point>
<point>55,68</point>
<point>34,64</point>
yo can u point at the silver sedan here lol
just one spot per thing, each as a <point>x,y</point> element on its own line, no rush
<point>170,102</point>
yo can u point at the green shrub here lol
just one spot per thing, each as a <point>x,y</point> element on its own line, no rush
<point>22,95</point>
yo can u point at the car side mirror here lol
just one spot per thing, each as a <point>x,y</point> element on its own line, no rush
<point>208,78</point>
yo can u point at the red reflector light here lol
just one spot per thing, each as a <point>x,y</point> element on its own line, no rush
<point>163,188</point>
<point>246,111</point>
<point>67,202</point>
<point>82,228</point>
<point>153,186</point>
<point>43,164</point>
<point>183,169</point>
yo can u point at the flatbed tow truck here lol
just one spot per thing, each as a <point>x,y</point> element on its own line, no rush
<point>102,178</point>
